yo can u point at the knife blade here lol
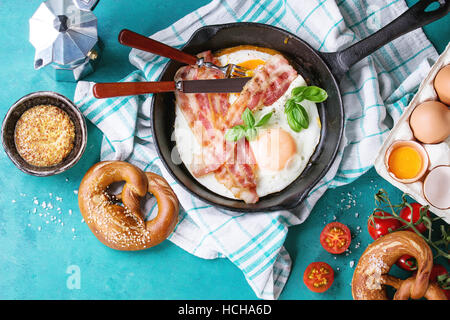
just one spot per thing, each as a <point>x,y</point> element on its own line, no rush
<point>118,89</point>
<point>213,85</point>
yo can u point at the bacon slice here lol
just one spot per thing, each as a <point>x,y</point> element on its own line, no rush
<point>200,111</point>
<point>239,175</point>
<point>267,85</point>
<point>210,115</point>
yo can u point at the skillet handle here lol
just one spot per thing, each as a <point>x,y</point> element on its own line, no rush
<point>415,17</point>
<point>138,41</point>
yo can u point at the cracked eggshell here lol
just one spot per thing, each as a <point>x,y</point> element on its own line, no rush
<point>436,187</point>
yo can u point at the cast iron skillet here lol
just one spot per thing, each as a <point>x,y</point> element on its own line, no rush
<point>321,69</point>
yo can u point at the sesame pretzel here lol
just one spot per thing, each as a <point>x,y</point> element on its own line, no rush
<point>371,273</point>
<point>123,227</point>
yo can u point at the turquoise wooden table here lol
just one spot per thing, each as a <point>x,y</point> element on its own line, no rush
<point>48,252</point>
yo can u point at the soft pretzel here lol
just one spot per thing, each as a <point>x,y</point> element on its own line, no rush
<point>123,227</point>
<point>371,273</point>
<point>403,287</point>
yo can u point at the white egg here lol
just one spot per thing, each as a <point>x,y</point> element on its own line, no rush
<point>268,181</point>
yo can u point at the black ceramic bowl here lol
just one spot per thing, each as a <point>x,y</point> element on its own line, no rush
<point>43,98</point>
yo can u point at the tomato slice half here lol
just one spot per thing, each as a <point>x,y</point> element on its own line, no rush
<point>318,276</point>
<point>335,237</point>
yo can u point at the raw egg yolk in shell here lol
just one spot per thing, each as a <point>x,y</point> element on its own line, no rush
<point>273,148</point>
<point>251,66</point>
<point>405,162</point>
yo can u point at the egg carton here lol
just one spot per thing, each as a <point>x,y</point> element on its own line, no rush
<point>438,154</point>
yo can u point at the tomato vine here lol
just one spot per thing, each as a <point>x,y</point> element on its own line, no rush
<point>382,202</point>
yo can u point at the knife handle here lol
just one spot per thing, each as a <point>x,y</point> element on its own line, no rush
<point>118,89</point>
<point>138,41</point>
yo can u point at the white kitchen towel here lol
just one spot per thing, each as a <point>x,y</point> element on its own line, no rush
<point>375,91</point>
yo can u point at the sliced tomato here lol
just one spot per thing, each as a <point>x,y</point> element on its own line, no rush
<point>335,237</point>
<point>413,217</point>
<point>381,223</point>
<point>318,276</point>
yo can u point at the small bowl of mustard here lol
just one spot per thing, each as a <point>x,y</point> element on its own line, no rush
<point>44,133</point>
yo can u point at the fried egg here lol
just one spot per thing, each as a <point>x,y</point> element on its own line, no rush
<point>281,154</point>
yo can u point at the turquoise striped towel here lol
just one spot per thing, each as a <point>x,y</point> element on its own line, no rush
<point>375,92</point>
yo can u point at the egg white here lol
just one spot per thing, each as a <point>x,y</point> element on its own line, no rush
<point>240,56</point>
<point>306,141</point>
<point>267,181</point>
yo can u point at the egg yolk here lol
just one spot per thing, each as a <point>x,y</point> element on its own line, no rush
<point>251,65</point>
<point>273,148</point>
<point>405,162</point>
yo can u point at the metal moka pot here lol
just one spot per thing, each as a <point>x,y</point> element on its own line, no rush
<point>64,34</point>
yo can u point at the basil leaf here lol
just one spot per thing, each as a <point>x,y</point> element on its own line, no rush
<point>293,120</point>
<point>304,121</point>
<point>264,119</point>
<point>299,98</point>
<point>290,103</point>
<point>235,133</point>
<point>251,133</point>
<point>248,118</point>
<point>298,91</point>
<point>298,118</point>
<point>315,94</point>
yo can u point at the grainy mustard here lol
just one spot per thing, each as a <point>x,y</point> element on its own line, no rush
<point>44,135</point>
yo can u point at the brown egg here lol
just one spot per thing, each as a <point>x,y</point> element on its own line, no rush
<point>442,84</point>
<point>430,122</point>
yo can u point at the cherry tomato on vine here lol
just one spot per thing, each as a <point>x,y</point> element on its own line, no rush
<point>381,226</point>
<point>407,262</point>
<point>318,276</point>
<point>413,217</point>
<point>335,237</point>
<point>438,270</point>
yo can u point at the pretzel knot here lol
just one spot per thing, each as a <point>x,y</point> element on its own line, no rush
<point>122,226</point>
<point>404,288</point>
<point>371,273</point>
